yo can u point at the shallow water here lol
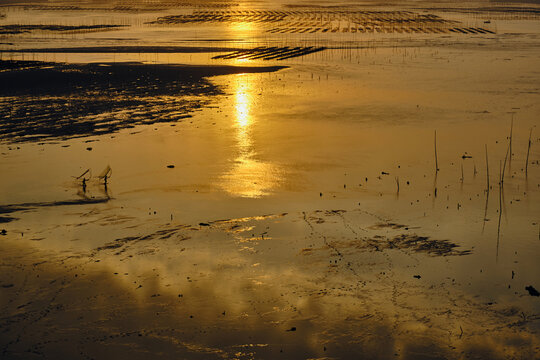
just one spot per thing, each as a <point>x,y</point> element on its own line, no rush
<point>295,212</point>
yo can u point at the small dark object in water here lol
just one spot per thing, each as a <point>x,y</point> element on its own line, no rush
<point>417,276</point>
<point>3,232</point>
<point>170,166</point>
<point>5,286</point>
<point>204,224</point>
<point>384,173</point>
<point>466,157</point>
<point>532,291</point>
<point>292,329</point>
<point>180,295</point>
<point>89,148</point>
<point>320,194</point>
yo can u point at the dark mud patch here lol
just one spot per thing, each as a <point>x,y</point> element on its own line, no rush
<point>42,101</point>
<point>406,242</point>
<point>6,219</point>
<point>163,234</point>
<point>388,225</point>
<point>335,212</point>
<point>20,29</point>
<point>350,236</point>
<point>13,208</point>
<point>418,244</point>
<point>126,50</point>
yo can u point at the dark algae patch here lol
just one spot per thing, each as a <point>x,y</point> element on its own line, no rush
<point>40,101</point>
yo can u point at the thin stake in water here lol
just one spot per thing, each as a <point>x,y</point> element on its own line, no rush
<point>511,131</point>
<point>500,207</point>
<point>528,151</point>
<point>487,169</point>
<point>436,161</point>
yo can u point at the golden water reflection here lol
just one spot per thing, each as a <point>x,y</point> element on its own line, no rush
<point>249,175</point>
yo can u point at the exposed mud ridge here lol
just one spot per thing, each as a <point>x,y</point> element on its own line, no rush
<point>57,101</point>
<point>318,20</point>
<point>271,53</point>
<point>19,29</point>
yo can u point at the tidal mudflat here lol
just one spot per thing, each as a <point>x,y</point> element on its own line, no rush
<point>263,180</point>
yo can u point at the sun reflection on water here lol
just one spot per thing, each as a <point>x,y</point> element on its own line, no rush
<point>249,176</point>
<point>242,103</point>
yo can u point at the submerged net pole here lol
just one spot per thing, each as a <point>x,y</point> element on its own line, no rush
<point>436,161</point>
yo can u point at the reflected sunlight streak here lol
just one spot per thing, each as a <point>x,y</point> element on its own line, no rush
<point>249,177</point>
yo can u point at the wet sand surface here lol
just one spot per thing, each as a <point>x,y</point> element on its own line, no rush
<point>240,181</point>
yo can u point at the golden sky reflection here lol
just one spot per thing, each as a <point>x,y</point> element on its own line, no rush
<point>249,176</point>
